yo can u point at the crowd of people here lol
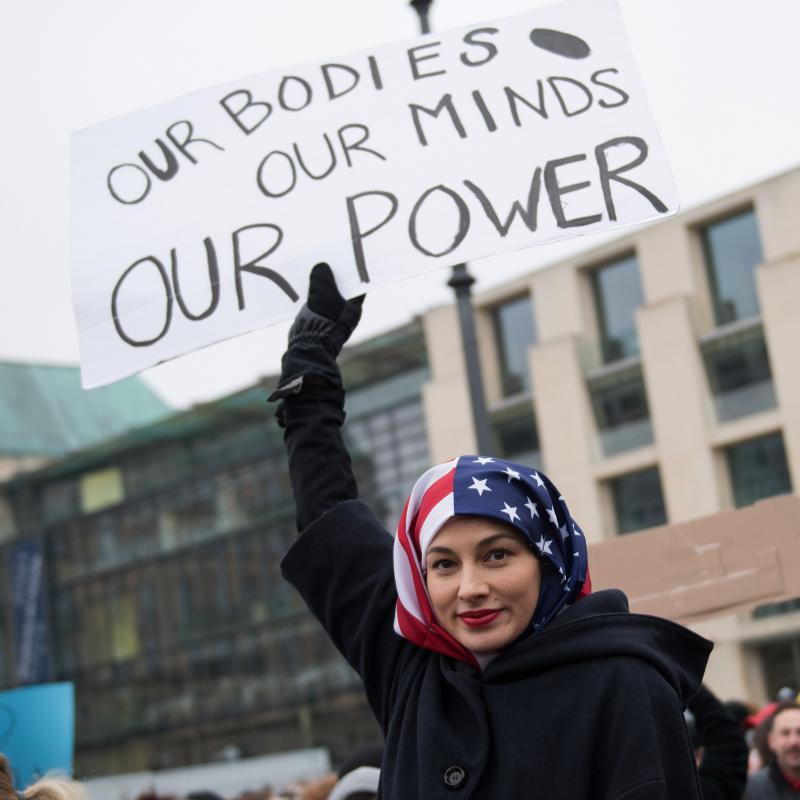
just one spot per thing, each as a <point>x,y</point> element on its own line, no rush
<point>356,779</point>
<point>742,753</point>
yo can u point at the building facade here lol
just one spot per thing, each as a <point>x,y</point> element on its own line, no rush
<point>154,559</point>
<point>656,380</point>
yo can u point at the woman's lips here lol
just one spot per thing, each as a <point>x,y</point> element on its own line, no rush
<point>477,619</point>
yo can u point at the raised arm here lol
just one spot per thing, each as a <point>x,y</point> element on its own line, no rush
<point>342,562</point>
<point>312,399</point>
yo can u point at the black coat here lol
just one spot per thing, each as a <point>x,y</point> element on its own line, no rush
<point>723,770</point>
<point>591,707</point>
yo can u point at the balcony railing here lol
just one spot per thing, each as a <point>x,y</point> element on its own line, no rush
<point>745,401</point>
<point>630,436</point>
<point>620,406</point>
<point>738,370</point>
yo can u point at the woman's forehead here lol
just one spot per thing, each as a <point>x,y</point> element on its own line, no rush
<point>468,530</point>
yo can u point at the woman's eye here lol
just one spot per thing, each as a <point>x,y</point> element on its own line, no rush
<point>442,564</point>
<point>497,555</point>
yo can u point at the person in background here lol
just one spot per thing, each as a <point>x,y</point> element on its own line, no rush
<point>359,774</point>
<point>358,784</point>
<point>760,754</point>
<point>740,711</point>
<point>265,793</point>
<point>780,780</point>
<point>720,748</point>
<point>319,788</point>
<point>50,787</point>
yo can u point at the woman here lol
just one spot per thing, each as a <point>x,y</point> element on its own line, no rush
<point>492,669</point>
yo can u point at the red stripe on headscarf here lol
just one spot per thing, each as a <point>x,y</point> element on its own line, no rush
<point>414,568</point>
<point>419,587</point>
<point>431,638</point>
<point>435,493</point>
<point>586,589</point>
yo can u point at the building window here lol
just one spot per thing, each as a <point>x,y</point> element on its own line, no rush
<point>101,489</point>
<point>620,408</point>
<point>758,469</point>
<point>59,501</point>
<point>737,365</point>
<point>389,448</point>
<point>638,502</point>
<point>516,436</point>
<point>771,609</point>
<point>732,249</point>
<point>780,661</point>
<point>515,332</point>
<point>617,294</point>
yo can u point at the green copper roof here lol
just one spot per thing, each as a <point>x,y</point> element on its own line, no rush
<point>45,412</point>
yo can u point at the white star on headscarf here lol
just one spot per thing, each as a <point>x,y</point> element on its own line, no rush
<point>512,474</point>
<point>539,481</point>
<point>544,546</point>
<point>564,532</point>
<point>511,511</point>
<point>479,486</point>
<point>551,512</point>
<point>483,461</point>
<point>531,506</point>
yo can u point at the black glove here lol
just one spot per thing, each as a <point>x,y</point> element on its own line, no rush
<point>326,318</point>
<point>316,337</point>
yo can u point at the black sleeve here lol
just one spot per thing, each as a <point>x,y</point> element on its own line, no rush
<point>319,464</point>
<point>723,770</point>
<point>342,567</point>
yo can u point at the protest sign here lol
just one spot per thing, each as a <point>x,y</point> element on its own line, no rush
<point>37,729</point>
<point>201,218</point>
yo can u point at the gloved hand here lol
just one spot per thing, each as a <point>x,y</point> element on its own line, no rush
<point>316,337</point>
<point>326,318</point>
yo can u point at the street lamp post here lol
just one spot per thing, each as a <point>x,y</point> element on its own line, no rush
<point>461,282</point>
<point>422,7</point>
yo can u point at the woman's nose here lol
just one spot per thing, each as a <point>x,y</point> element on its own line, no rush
<point>473,585</point>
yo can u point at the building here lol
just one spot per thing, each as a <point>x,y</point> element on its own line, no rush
<point>154,562</point>
<point>656,379</point>
<point>45,413</point>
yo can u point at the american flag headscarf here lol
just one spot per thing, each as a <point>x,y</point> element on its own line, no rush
<point>498,489</point>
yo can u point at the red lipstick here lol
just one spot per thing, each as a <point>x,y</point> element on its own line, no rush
<point>480,617</point>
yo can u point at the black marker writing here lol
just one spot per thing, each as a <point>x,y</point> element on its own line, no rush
<point>278,171</point>
<point>130,183</point>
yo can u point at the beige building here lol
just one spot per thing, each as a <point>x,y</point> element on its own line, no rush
<point>656,379</point>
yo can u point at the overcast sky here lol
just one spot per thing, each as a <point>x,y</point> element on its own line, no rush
<point>722,76</point>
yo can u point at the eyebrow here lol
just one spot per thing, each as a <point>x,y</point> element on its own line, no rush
<point>481,543</point>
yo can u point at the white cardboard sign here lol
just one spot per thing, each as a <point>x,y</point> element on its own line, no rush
<point>200,219</point>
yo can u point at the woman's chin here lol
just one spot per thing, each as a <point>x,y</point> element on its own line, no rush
<point>484,642</point>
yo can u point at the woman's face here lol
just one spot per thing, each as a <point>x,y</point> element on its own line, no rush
<point>483,581</point>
